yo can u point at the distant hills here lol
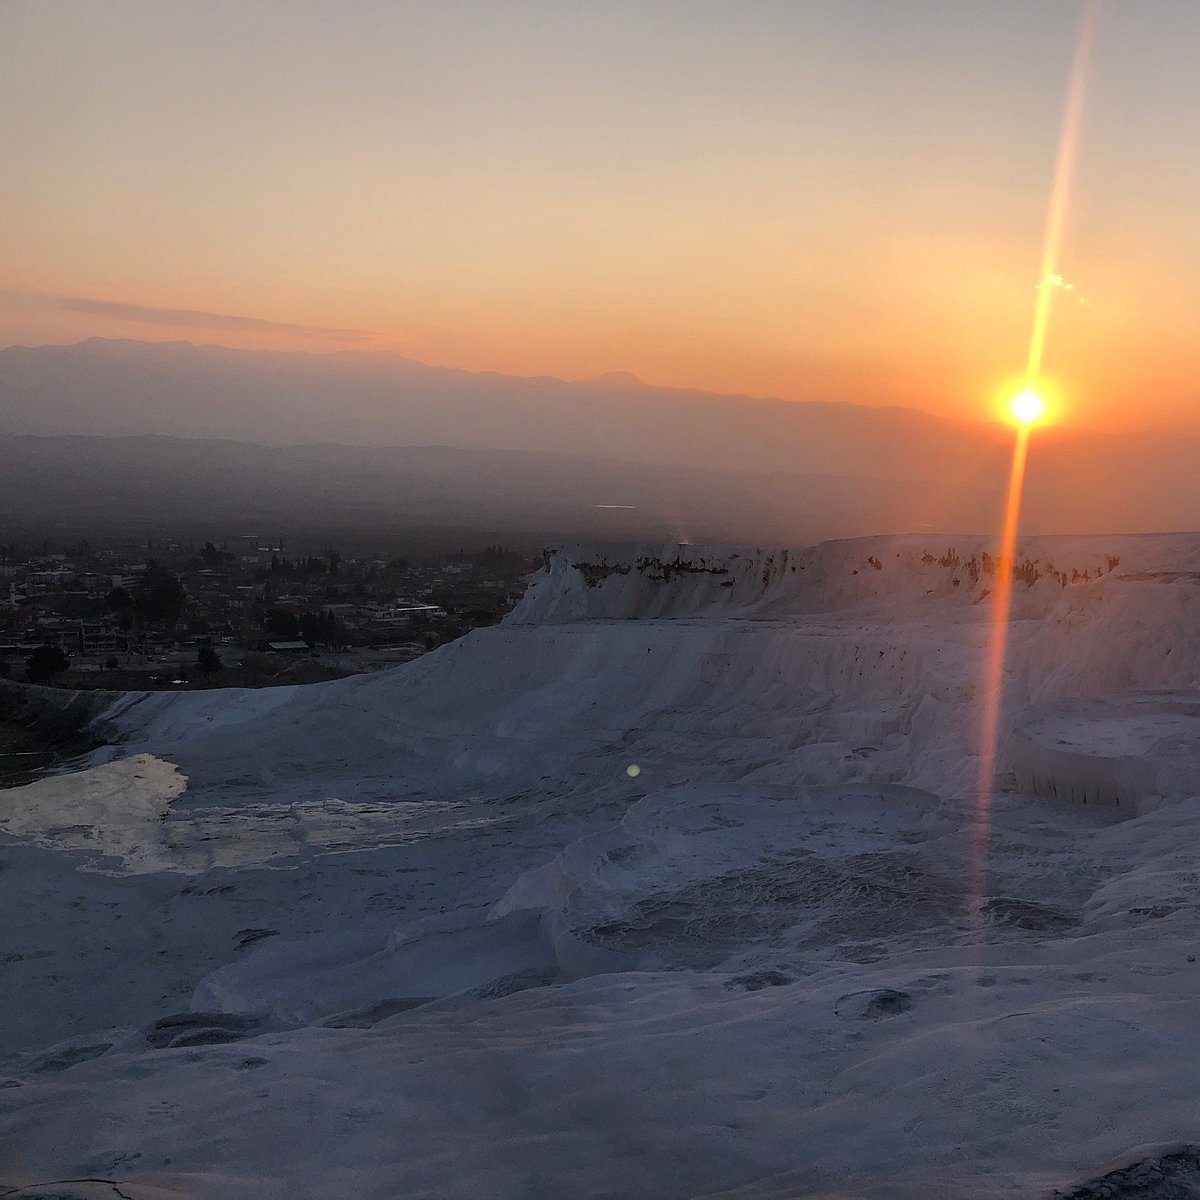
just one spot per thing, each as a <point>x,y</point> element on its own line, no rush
<point>108,434</point>
<point>175,389</point>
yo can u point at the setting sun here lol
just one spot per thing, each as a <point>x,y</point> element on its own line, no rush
<point>1027,407</point>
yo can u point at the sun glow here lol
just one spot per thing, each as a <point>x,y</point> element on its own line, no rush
<point>1027,407</point>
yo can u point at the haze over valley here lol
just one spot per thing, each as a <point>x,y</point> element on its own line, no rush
<point>173,437</point>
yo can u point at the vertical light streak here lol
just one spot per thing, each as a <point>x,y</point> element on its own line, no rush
<point>993,671</point>
<point>992,682</point>
<point>1060,193</point>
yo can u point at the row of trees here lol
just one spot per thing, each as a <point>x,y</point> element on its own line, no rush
<point>49,660</point>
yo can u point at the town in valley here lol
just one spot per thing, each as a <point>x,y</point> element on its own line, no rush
<point>244,610</point>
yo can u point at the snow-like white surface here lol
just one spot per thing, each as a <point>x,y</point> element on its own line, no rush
<point>115,811</point>
<point>662,888</point>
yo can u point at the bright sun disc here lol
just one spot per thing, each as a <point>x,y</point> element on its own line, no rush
<point>1028,407</point>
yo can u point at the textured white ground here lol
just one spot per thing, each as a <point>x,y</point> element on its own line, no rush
<point>663,888</point>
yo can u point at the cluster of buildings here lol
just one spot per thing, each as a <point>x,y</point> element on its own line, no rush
<point>138,616</point>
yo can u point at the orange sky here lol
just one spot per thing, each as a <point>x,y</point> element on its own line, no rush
<point>810,200</point>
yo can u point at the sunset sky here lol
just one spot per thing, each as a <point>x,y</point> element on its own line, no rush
<point>841,200</point>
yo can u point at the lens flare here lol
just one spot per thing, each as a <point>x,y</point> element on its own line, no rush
<point>1026,408</point>
<point>992,683</point>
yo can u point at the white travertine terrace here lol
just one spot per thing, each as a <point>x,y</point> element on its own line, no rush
<point>423,933</point>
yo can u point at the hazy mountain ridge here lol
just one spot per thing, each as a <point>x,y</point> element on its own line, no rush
<point>177,389</point>
<point>359,438</point>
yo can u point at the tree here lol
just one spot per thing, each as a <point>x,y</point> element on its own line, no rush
<point>118,601</point>
<point>159,596</point>
<point>45,662</point>
<point>279,623</point>
<point>208,661</point>
<point>214,558</point>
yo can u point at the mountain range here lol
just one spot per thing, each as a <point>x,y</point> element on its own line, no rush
<point>110,434</point>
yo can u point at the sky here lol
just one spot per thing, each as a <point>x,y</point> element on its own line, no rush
<point>843,200</point>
